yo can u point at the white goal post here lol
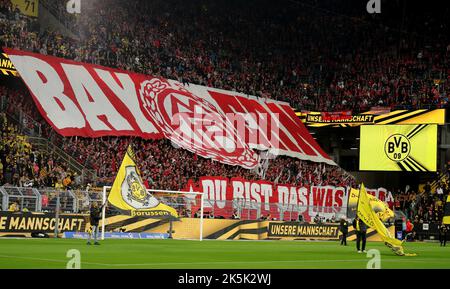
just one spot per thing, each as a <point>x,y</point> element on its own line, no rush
<point>168,192</point>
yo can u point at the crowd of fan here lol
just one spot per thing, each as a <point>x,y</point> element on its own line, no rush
<point>424,206</point>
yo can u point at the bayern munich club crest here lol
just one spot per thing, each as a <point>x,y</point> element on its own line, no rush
<point>160,100</point>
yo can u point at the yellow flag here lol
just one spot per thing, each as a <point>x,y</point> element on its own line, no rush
<point>128,193</point>
<point>446,219</point>
<point>370,218</point>
<point>381,208</point>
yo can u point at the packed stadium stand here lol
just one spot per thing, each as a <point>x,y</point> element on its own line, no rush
<point>282,52</point>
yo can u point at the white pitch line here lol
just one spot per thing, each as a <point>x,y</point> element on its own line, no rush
<point>49,260</point>
<point>273,261</point>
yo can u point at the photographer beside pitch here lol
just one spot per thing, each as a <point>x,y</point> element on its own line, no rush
<point>95,216</point>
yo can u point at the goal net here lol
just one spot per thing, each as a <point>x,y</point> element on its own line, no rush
<point>188,225</point>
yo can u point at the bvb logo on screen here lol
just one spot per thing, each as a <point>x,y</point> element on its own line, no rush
<point>397,147</point>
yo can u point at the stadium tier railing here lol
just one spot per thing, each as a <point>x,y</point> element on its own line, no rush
<point>27,199</point>
<point>39,200</point>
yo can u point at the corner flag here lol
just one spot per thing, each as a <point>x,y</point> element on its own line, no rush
<point>128,193</point>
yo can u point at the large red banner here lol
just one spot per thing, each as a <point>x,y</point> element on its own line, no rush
<point>93,101</point>
<point>224,196</point>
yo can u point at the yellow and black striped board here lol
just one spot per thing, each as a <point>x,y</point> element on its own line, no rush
<point>446,217</point>
<point>419,116</point>
<point>189,228</point>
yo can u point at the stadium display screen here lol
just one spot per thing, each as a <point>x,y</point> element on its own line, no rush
<point>398,148</point>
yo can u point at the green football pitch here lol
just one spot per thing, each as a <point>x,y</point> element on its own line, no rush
<point>180,254</point>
